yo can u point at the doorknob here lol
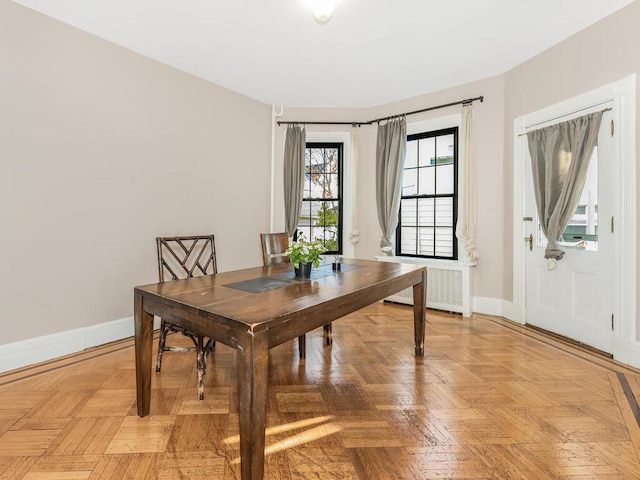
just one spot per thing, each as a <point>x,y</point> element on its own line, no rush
<point>529,240</point>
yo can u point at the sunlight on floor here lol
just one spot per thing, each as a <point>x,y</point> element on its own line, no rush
<point>298,439</point>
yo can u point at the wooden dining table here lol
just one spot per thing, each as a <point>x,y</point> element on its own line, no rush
<point>255,309</point>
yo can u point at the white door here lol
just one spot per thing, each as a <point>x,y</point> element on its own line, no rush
<point>576,299</point>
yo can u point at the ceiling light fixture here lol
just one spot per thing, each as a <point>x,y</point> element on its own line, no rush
<point>322,10</point>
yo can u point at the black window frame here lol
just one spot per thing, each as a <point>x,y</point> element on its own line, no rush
<point>417,136</point>
<point>339,146</point>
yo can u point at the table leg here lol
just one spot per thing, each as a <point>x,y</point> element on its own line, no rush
<point>253,362</point>
<point>143,345</point>
<point>419,307</point>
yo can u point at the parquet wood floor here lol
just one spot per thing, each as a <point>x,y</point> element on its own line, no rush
<point>490,400</point>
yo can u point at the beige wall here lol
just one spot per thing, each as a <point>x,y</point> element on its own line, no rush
<point>489,123</point>
<point>601,54</point>
<point>102,150</point>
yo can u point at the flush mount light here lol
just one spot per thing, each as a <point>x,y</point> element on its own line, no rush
<point>322,10</point>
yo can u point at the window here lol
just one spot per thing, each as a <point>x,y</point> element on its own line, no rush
<point>428,208</point>
<point>582,230</point>
<point>321,216</point>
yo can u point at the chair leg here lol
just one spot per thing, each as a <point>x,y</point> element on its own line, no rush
<point>164,330</point>
<point>328,339</point>
<point>201,365</point>
<point>210,346</point>
<point>302,346</point>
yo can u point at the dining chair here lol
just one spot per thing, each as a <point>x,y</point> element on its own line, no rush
<point>179,258</point>
<point>274,246</point>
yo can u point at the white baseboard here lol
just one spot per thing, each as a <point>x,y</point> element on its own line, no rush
<point>513,312</point>
<point>497,307</point>
<point>633,355</point>
<point>48,347</point>
<point>40,349</point>
<point>488,306</point>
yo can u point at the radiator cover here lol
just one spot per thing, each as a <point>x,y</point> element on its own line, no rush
<point>448,285</point>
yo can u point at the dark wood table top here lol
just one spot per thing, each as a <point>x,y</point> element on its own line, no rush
<point>211,296</point>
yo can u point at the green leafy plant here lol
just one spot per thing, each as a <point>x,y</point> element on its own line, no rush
<point>304,251</point>
<point>327,217</point>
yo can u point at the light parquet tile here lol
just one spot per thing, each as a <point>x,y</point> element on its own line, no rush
<point>448,462</point>
<point>108,402</point>
<point>138,466</point>
<point>489,400</point>
<point>15,467</point>
<point>26,443</point>
<point>325,463</point>
<point>15,404</point>
<point>85,435</point>
<point>142,435</point>
<point>63,467</point>
<point>204,465</point>
<point>62,404</point>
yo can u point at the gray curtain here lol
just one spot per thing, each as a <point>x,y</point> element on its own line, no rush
<point>560,157</point>
<point>294,148</point>
<point>390,153</point>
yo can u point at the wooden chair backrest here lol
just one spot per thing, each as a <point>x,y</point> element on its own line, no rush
<point>184,257</point>
<point>273,247</point>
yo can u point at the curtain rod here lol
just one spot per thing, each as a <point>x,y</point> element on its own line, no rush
<point>467,101</point>
<point>533,127</point>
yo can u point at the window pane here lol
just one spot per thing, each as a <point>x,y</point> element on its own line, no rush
<point>582,229</point>
<point>410,182</point>
<point>426,215</point>
<point>444,242</point>
<point>426,225</point>
<point>315,208</point>
<point>426,151</point>
<point>307,177</point>
<point>426,244</point>
<point>327,225</point>
<point>427,181</point>
<point>321,173</point>
<point>306,231</point>
<point>316,186</point>
<point>330,185</point>
<point>321,219</point>
<point>408,212</point>
<point>444,180</point>
<point>305,215</point>
<point>411,157</point>
<point>408,245</point>
<point>315,160</point>
<point>444,150</point>
<point>444,212</point>
<point>331,160</point>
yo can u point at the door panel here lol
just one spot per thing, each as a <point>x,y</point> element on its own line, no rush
<point>576,298</point>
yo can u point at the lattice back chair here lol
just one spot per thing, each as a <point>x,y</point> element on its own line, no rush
<point>273,247</point>
<point>178,258</point>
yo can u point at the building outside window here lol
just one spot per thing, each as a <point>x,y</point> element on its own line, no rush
<point>428,208</point>
<point>321,216</point>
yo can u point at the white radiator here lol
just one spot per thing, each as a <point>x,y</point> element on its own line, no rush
<point>448,284</point>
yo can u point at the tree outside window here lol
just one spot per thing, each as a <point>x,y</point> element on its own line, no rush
<point>321,216</point>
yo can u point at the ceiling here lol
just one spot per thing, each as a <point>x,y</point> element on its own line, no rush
<point>370,53</point>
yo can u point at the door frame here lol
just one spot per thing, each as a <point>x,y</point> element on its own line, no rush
<point>626,348</point>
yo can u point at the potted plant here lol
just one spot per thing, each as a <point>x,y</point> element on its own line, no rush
<point>304,253</point>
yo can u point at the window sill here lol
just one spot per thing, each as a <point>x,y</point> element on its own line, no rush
<point>435,262</point>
